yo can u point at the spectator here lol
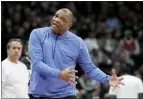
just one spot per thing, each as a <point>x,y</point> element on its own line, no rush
<point>129,46</point>
<point>91,42</point>
<point>133,85</point>
<point>14,73</point>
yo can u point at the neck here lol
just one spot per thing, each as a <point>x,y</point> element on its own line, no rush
<point>60,33</point>
<point>13,60</point>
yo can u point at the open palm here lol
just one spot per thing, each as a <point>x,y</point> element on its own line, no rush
<point>114,80</point>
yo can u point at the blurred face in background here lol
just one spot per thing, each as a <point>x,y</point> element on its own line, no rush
<point>14,51</point>
<point>61,21</point>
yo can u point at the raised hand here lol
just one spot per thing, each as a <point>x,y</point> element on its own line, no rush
<point>68,74</point>
<point>115,81</point>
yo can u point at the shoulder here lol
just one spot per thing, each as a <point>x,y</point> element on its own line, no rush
<point>76,40</point>
<point>133,78</point>
<point>6,65</point>
<point>39,33</point>
<point>137,79</point>
<point>40,30</point>
<point>73,36</point>
<point>5,62</point>
<point>22,65</point>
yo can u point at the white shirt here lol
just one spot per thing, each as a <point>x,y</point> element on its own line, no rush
<point>14,80</point>
<point>133,86</point>
<point>91,44</point>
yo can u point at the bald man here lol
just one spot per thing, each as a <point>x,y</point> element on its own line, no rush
<point>54,52</point>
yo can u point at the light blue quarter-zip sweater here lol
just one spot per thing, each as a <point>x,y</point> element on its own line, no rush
<point>50,53</point>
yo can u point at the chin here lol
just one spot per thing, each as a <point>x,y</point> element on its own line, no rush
<point>54,30</point>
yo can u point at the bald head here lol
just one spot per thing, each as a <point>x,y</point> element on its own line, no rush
<point>68,11</point>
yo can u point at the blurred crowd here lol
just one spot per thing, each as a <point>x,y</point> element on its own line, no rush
<point>113,32</point>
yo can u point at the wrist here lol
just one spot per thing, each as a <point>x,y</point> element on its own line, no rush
<point>59,75</point>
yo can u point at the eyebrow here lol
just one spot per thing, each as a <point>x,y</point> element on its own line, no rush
<point>64,18</point>
<point>61,17</point>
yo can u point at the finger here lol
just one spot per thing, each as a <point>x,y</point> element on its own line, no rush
<point>121,83</point>
<point>72,71</point>
<point>72,76</point>
<point>118,85</point>
<point>72,82</point>
<point>121,78</point>
<point>76,77</point>
<point>114,87</point>
<point>113,72</point>
<point>71,67</point>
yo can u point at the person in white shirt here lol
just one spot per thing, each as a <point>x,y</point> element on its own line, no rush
<point>14,72</point>
<point>133,86</point>
<point>91,42</point>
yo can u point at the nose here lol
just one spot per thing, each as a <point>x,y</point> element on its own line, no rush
<point>57,20</point>
<point>16,50</point>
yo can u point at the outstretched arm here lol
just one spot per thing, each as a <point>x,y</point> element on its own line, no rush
<point>94,72</point>
<point>89,68</point>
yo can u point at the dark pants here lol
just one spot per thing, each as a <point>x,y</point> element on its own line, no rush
<point>68,97</point>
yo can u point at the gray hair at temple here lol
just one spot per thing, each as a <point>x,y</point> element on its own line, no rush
<point>12,40</point>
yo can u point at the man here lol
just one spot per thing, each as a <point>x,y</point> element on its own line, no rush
<point>134,86</point>
<point>54,52</point>
<point>14,73</point>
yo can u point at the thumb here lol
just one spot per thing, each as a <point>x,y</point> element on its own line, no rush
<point>113,72</point>
<point>70,68</point>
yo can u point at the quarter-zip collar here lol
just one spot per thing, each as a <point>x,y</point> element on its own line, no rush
<point>60,36</point>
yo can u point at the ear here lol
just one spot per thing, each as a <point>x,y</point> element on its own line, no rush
<point>7,51</point>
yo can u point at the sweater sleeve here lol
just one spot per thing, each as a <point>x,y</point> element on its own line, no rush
<point>36,55</point>
<point>89,68</point>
